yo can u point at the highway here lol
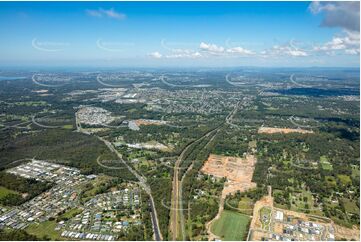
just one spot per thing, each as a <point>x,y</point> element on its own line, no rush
<point>292,79</point>
<point>175,221</point>
<point>17,126</point>
<point>157,234</point>
<point>142,181</point>
<point>177,190</point>
<point>181,184</point>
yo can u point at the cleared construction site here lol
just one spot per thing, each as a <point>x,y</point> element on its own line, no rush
<point>238,172</point>
<point>270,130</point>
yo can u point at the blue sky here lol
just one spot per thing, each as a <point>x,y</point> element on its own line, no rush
<point>179,33</point>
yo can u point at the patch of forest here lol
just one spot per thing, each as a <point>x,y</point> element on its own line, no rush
<point>30,187</point>
<point>62,146</point>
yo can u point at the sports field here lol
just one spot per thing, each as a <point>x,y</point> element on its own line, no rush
<point>231,226</point>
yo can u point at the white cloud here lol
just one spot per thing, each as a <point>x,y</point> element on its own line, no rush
<point>352,51</point>
<point>344,14</point>
<point>348,44</point>
<point>192,55</point>
<point>205,50</point>
<point>110,13</point>
<point>155,55</point>
<point>240,50</point>
<point>212,48</point>
<point>184,55</point>
<point>284,50</point>
<point>297,53</point>
<point>197,54</point>
<point>94,13</point>
<point>317,7</point>
<point>339,14</point>
<point>178,53</point>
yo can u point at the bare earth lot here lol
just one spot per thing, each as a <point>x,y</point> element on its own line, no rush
<point>238,171</point>
<point>140,122</point>
<point>273,226</point>
<point>269,130</point>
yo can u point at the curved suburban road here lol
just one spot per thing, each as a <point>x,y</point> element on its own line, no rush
<point>142,180</point>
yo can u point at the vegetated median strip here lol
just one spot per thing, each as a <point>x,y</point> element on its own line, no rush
<point>183,177</point>
<point>176,190</point>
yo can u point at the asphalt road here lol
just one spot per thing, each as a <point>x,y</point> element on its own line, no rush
<point>177,194</point>
<point>156,230</point>
<point>142,182</point>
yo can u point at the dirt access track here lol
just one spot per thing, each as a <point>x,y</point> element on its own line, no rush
<point>238,171</point>
<point>269,130</point>
<point>343,232</point>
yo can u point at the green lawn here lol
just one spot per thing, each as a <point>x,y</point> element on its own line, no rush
<point>246,205</point>
<point>326,166</point>
<point>70,213</point>
<point>351,206</point>
<point>97,182</point>
<point>231,226</point>
<point>344,179</point>
<point>265,217</point>
<point>4,191</point>
<point>44,229</point>
<point>323,158</point>
<point>68,126</point>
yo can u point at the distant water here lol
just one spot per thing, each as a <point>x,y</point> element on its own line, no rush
<point>316,92</point>
<point>10,78</point>
<point>202,85</point>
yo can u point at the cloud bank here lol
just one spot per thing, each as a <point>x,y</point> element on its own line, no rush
<point>344,15</point>
<point>338,14</point>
